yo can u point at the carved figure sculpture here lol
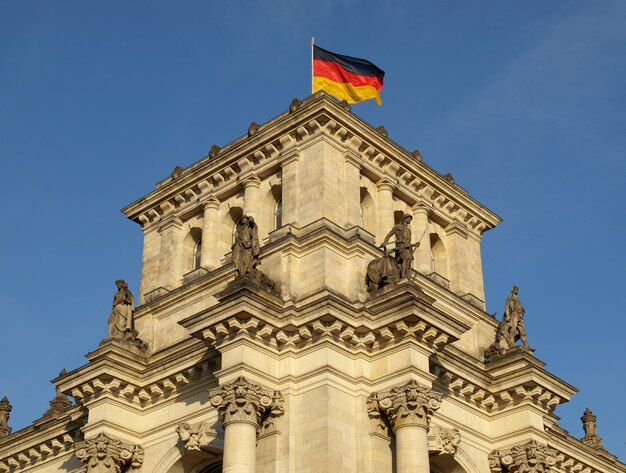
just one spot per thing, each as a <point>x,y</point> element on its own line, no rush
<point>384,271</point>
<point>5,410</point>
<point>121,320</point>
<point>511,328</point>
<point>246,246</point>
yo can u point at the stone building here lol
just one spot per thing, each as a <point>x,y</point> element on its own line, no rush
<point>286,359</point>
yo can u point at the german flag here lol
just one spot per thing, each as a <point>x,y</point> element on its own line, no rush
<point>347,78</point>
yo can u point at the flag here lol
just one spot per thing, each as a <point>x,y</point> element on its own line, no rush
<point>347,78</point>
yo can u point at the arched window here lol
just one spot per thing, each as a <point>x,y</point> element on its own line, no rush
<point>213,468</point>
<point>197,254</point>
<point>278,214</point>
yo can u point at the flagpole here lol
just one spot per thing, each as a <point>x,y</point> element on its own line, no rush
<point>312,77</point>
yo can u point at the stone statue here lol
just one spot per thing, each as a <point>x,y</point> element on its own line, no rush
<point>246,251</point>
<point>246,246</point>
<point>511,329</point>
<point>384,271</point>
<point>5,410</point>
<point>121,318</point>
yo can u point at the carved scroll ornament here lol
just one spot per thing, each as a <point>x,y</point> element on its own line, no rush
<point>104,454</point>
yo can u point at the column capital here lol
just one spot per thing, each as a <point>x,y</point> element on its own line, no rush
<point>210,202</point>
<point>408,405</point>
<point>421,207</point>
<point>385,184</point>
<point>251,181</point>
<point>531,457</point>
<point>104,454</point>
<point>244,402</point>
<point>170,221</point>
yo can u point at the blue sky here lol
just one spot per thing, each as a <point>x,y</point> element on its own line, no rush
<point>522,101</point>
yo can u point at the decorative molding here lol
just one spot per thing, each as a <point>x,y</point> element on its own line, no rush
<point>531,457</point>
<point>135,393</point>
<point>104,454</point>
<point>411,404</point>
<point>356,338</point>
<point>37,453</point>
<point>196,436</point>
<point>242,401</point>
<point>443,441</point>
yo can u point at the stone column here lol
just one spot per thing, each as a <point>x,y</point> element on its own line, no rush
<point>408,409</point>
<point>170,255</point>
<point>385,209</point>
<point>209,259</point>
<point>422,262</point>
<point>251,204</point>
<point>244,408</point>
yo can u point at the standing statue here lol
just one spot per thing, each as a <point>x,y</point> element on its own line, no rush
<point>511,329</point>
<point>122,318</point>
<point>384,271</point>
<point>246,246</point>
<point>246,251</point>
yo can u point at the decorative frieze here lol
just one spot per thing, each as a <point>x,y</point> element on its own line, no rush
<point>356,338</point>
<point>411,404</point>
<point>104,454</point>
<point>242,401</point>
<point>531,457</point>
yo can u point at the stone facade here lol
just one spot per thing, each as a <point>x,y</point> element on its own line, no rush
<point>317,374</point>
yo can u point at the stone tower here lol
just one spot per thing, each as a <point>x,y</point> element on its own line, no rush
<point>299,365</point>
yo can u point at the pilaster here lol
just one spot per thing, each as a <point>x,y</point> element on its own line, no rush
<point>170,255</point>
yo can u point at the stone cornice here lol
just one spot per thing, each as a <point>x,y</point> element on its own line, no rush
<point>318,115</point>
<point>39,444</point>
<point>475,385</point>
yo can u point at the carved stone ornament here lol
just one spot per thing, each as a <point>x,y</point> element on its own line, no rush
<point>177,172</point>
<point>253,128</point>
<point>383,131</point>
<point>591,438</point>
<point>531,457</point>
<point>5,410</point>
<point>416,154</point>
<point>59,404</point>
<point>104,454</point>
<point>411,404</point>
<point>345,105</point>
<point>448,177</point>
<point>241,401</point>
<point>443,441</point>
<point>195,436</point>
<point>214,151</point>
<point>295,104</point>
